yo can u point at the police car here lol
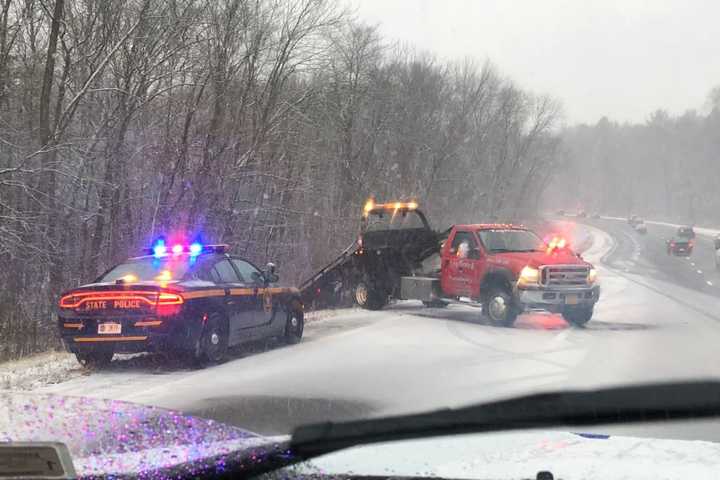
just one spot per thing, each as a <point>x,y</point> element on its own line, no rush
<point>191,299</point>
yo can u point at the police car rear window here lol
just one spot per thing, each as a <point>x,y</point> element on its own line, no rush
<point>150,269</point>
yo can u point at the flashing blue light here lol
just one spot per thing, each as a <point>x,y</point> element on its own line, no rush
<point>195,249</point>
<point>159,249</point>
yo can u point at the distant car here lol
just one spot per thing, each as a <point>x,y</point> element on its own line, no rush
<point>561,213</point>
<point>640,227</point>
<point>633,219</point>
<point>595,215</point>
<point>582,214</point>
<point>682,243</point>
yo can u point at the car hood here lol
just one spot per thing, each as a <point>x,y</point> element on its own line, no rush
<point>522,455</point>
<point>113,437</point>
<point>517,260</point>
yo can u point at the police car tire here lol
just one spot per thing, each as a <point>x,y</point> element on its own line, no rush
<point>214,352</point>
<point>578,316</point>
<point>294,332</point>
<point>95,358</point>
<point>511,312</point>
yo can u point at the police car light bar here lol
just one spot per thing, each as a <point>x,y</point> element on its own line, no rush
<point>160,249</point>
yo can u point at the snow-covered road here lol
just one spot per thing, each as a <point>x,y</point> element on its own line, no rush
<point>355,363</point>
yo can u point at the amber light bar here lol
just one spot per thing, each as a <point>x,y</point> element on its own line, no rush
<point>370,205</point>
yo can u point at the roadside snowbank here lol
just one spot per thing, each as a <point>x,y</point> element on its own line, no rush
<point>39,370</point>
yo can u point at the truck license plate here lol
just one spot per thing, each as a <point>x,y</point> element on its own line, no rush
<point>571,299</point>
<point>109,328</point>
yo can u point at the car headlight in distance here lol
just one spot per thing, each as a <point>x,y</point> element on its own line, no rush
<point>529,275</point>
<point>592,276</point>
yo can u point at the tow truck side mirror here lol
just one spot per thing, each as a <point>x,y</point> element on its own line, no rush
<point>717,244</point>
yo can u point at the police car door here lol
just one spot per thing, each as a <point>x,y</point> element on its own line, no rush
<point>261,301</point>
<point>237,300</point>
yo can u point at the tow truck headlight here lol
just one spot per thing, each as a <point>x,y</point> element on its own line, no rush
<point>529,276</point>
<point>592,276</point>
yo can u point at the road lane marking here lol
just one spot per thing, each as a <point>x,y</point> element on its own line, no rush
<point>700,272</point>
<point>709,283</point>
<point>692,263</point>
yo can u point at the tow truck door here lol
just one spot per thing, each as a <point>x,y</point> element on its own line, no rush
<point>461,266</point>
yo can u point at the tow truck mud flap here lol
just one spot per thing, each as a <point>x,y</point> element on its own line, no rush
<point>420,288</point>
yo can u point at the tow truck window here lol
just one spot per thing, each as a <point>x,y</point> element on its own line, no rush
<point>149,268</point>
<point>393,221</point>
<point>510,241</point>
<point>463,237</point>
<point>248,273</point>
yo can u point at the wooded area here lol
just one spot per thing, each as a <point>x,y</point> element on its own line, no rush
<point>667,168</point>
<point>263,124</point>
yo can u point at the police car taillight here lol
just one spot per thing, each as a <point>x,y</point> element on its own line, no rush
<point>165,298</point>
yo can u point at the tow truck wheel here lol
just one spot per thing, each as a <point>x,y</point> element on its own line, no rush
<point>95,358</point>
<point>368,297</point>
<point>498,307</point>
<point>214,340</point>
<point>294,327</point>
<point>578,316</point>
<point>435,304</point>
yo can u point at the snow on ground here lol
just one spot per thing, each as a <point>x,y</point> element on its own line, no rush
<point>51,368</point>
<point>39,370</point>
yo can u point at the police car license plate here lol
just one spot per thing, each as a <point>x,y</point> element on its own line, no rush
<point>109,328</point>
<point>571,299</point>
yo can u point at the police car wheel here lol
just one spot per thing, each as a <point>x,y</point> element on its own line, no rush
<point>214,341</point>
<point>95,358</point>
<point>294,327</point>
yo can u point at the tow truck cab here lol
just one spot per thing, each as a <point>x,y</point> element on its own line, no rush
<point>509,269</point>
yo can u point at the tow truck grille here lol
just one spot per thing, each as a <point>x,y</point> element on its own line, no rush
<point>563,275</point>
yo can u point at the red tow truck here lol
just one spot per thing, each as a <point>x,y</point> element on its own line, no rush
<point>508,269</point>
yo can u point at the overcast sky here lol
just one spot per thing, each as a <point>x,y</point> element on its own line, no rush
<point>617,58</point>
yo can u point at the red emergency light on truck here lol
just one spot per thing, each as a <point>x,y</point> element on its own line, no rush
<point>509,269</point>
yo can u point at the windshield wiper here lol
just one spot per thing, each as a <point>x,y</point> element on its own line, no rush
<point>647,403</point>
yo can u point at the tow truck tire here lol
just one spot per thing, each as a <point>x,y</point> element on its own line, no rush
<point>578,316</point>
<point>369,298</point>
<point>498,306</point>
<point>95,359</point>
<point>294,327</point>
<point>214,339</point>
<point>435,304</point>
